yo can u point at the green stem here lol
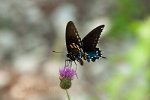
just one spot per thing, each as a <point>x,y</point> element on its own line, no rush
<point>68,94</point>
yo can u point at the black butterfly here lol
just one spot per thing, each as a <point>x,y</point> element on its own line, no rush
<point>85,49</point>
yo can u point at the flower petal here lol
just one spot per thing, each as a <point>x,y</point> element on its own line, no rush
<point>67,73</point>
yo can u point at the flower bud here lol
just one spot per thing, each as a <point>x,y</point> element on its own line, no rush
<point>65,84</point>
<point>66,75</point>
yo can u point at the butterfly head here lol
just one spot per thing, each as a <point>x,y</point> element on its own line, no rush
<point>71,56</point>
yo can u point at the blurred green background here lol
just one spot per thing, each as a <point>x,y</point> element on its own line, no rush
<point>31,29</point>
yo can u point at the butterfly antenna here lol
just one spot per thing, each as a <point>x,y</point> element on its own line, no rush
<point>57,52</point>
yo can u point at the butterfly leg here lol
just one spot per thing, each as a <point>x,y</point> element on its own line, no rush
<point>66,62</point>
<point>75,64</point>
<point>76,69</point>
<point>70,63</point>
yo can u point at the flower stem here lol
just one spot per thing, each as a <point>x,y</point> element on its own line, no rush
<point>68,94</point>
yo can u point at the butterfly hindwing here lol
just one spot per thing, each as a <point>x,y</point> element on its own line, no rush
<point>91,39</point>
<point>89,44</point>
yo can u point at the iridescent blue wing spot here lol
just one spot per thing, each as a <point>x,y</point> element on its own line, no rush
<point>93,55</point>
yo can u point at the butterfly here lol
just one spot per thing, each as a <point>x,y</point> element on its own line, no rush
<point>84,49</point>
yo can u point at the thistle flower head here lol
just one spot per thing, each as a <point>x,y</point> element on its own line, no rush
<point>66,75</point>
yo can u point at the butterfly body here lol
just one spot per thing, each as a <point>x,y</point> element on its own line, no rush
<point>85,49</point>
<point>74,53</point>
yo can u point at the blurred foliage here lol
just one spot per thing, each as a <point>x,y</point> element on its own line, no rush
<point>138,58</point>
<point>128,22</point>
<point>125,13</point>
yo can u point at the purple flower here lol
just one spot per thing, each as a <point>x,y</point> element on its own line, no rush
<point>67,73</point>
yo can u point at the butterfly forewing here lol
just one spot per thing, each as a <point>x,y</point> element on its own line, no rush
<point>72,36</point>
<point>91,39</point>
